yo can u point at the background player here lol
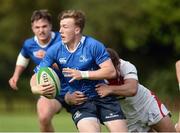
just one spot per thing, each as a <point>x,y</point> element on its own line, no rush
<point>34,48</point>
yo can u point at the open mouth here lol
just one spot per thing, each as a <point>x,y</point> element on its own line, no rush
<point>62,37</point>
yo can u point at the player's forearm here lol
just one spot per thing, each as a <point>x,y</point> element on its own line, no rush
<point>18,70</point>
<point>103,73</point>
<point>106,71</point>
<point>127,89</point>
<point>122,90</point>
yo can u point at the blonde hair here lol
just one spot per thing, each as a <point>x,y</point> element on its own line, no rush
<point>77,15</point>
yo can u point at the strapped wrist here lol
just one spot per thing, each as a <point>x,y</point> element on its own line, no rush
<point>84,74</point>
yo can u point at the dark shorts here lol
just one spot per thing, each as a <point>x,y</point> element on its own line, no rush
<point>63,103</point>
<point>105,109</point>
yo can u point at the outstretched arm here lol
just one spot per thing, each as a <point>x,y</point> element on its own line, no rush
<point>129,88</point>
<point>21,65</point>
<point>14,79</point>
<point>106,71</point>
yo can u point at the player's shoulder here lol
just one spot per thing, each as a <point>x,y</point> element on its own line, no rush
<point>125,63</point>
<point>56,35</point>
<point>127,66</point>
<point>29,41</point>
<point>91,39</point>
<point>92,42</point>
<point>56,46</point>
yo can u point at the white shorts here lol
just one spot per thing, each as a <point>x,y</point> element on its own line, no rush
<point>149,115</point>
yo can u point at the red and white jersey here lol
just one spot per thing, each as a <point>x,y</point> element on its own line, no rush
<point>144,108</point>
<point>134,104</point>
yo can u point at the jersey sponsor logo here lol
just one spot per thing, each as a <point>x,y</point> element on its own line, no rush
<point>62,60</point>
<point>39,54</point>
<point>83,58</point>
<point>111,115</point>
<point>77,115</point>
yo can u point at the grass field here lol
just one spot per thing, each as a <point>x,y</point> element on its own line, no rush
<point>19,115</point>
<point>27,122</point>
<point>22,118</point>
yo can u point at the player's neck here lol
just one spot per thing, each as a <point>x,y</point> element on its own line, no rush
<point>72,46</point>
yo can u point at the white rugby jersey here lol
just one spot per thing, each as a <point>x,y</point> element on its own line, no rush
<point>143,109</point>
<point>134,105</point>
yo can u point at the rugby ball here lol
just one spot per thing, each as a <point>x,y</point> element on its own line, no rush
<point>48,75</point>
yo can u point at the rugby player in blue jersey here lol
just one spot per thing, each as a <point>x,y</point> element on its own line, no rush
<point>84,63</point>
<point>34,49</point>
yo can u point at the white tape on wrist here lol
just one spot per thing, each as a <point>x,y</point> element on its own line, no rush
<point>84,74</point>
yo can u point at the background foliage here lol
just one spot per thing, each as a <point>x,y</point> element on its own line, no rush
<point>145,32</point>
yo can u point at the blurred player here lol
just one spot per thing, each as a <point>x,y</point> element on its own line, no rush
<point>84,61</point>
<point>143,110</point>
<point>34,49</point>
<point>177,126</point>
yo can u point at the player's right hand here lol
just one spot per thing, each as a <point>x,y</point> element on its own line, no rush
<point>13,83</point>
<point>44,89</point>
<point>76,98</point>
<point>103,90</point>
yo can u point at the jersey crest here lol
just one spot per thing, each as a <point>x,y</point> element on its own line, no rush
<point>39,54</point>
<point>83,58</point>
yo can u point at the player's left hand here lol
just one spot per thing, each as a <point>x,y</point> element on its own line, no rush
<point>103,90</point>
<point>72,73</point>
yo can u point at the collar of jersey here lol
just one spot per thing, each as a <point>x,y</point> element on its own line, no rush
<point>81,42</point>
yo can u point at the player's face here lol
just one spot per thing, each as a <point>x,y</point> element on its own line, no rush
<point>42,29</point>
<point>68,30</point>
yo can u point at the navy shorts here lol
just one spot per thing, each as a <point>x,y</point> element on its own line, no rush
<point>63,103</point>
<point>105,109</point>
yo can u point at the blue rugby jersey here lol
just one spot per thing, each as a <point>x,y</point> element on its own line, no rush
<point>31,47</point>
<point>88,55</point>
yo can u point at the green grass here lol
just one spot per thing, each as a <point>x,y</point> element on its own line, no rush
<point>27,122</point>
<point>20,116</point>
